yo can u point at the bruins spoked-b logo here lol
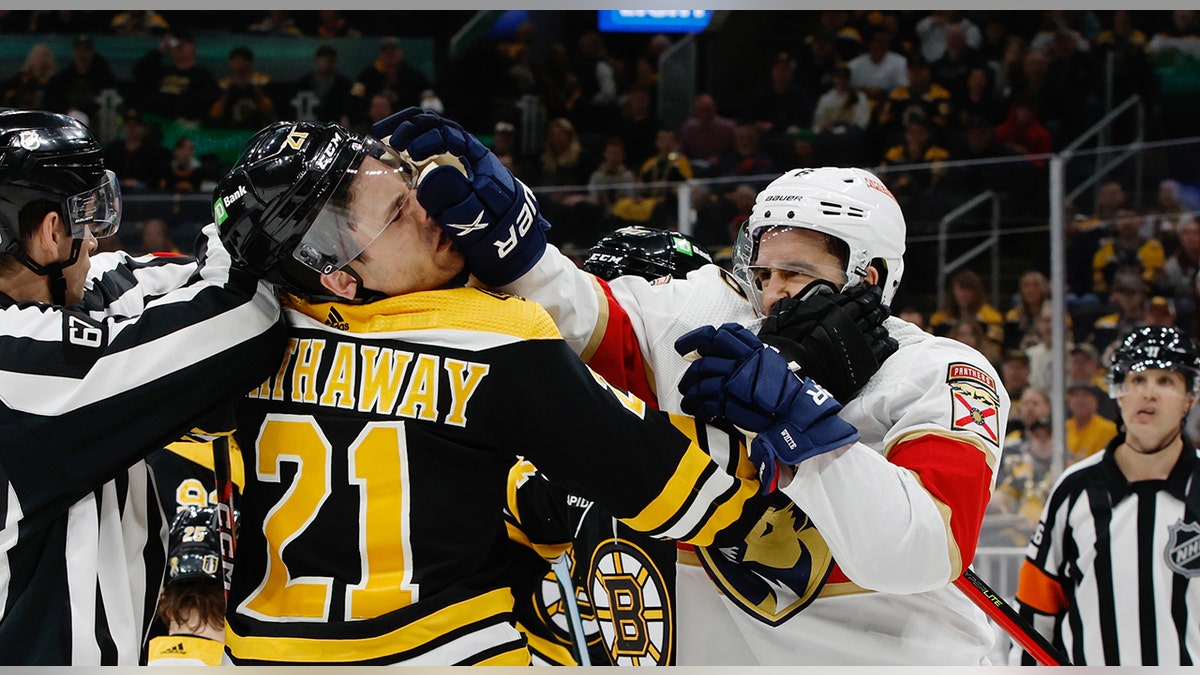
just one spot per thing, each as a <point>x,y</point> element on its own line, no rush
<point>629,596</point>
<point>1183,549</point>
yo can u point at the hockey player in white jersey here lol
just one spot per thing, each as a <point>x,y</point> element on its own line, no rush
<point>863,575</point>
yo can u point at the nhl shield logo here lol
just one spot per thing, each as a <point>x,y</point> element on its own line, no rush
<point>1183,549</point>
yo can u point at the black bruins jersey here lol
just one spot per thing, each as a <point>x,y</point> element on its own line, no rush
<point>183,472</point>
<point>624,581</point>
<point>376,465</point>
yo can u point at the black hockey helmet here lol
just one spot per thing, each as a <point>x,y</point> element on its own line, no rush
<point>647,252</point>
<point>1160,347</point>
<point>195,546</point>
<point>53,160</point>
<point>282,210</point>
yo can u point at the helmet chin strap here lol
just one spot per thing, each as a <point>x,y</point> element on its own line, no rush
<point>362,294</point>
<point>53,271</point>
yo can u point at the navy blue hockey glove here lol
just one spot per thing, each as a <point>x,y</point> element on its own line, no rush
<point>740,379</point>
<point>836,338</point>
<point>492,217</point>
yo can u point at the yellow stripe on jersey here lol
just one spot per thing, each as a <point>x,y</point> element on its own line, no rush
<point>410,636</point>
<point>674,498</point>
<point>470,309</point>
<point>202,454</point>
<point>601,323</point>
<point>551,652</point>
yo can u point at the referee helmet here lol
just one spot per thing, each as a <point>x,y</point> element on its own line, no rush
<point>1155,347</point>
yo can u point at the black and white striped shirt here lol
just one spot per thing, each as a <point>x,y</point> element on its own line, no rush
<point>86,393</point>
<point>1112,573</point>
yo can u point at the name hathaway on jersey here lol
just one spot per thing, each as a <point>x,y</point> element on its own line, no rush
<point>374,379</point>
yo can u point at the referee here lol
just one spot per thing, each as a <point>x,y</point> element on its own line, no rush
<point>1111,570</point>
<point>102,360</point>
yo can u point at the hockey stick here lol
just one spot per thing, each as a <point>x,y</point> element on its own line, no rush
<point>223,476</point>
<point>1007,618</point>
<point>574,621</point>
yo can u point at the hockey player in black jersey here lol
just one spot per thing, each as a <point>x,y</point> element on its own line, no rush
<point>376,458</point>
<point>103,359</point>
<point>624,581</point>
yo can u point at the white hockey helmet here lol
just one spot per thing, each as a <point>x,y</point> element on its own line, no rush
<point>849,204</point>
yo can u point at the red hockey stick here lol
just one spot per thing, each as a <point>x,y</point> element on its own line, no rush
<point>1007,618</point>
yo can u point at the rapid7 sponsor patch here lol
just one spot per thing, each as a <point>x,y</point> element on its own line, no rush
<point>974,404</point>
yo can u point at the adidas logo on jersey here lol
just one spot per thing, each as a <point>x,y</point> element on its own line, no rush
<point>335,319</point>
<point>178,648</point>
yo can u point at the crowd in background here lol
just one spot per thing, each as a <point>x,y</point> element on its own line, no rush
<point>886,89</point>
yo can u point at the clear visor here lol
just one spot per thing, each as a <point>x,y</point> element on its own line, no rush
<point>98,209</point>
<point>754,277</point>
<point>1149,380</point>
<point>376,193</point>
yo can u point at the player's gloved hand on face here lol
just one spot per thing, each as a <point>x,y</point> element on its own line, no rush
<point>491,216</point>
<point>836,338</point>
<point>740,379</point>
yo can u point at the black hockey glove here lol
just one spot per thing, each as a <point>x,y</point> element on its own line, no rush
<point>836,338</point>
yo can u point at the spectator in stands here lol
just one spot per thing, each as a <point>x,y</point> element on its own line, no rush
<point>1127,249</point>
<point>816,62</point>
<point>1023,133</point>
<point>970,332</point>
<point>1083,240</point>
<point>966,302</point>
<point>277,23</point>
<point>504,145</point>
<point>745,156</point>
<point>1167,216</point>
<point>323,94</point>
<point>181,90</point>
<point>77,85</point>
<point>137,157</point>
<point>879,70</point>
<point>1020,322</point>
<point>563,161</point>
<point>1084,365</point>
<point>139,22</point>
<point>1014,375</point>
<point>1129,298</point>
<point>27,89</point>
<point>1010,66</point>
<point>1031,83</point>
<point>705,134</point>
<point>933,32</point>
<point>1023,484</point>
<point>1039,348</point>
<point>951,68</point>
<point>1181,38</point>
<point>612,179</point>
<point>920,97</point>
<point>389,73</point>
<point>848,40</point>
<point>156,237</point>
<point>598,73</point>
<point>331,24</point>
<point>1177,280</point>
<point>1131,69</point>
<point>780,108</point>
<point>243,102</point>
<point>560,84</point>
<point>1087,430</point>
<point>918,148</point>
<point>978,98</point>
<point>1072,99</point>
<point>840,123</point>
<point>1032,405</point>
<point>912,315</point>
<point>185,174</point>
<point>668,165</point>
<point>637,126</point>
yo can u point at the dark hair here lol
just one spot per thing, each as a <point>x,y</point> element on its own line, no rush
<point>241,51</point>
<point>205,596</point>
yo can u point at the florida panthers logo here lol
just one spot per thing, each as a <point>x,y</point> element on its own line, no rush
<point>629,597</point>
<point>974,403</point>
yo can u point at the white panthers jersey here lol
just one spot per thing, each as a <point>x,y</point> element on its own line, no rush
<point>931,422</point>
